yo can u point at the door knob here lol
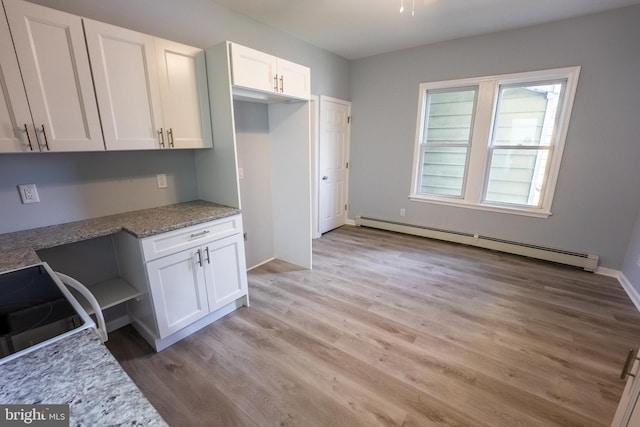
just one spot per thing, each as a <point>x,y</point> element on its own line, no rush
<point>324,178</point>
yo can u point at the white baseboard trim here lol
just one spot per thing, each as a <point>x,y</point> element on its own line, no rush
<point>261,263</point>
<point>609,272</point>
<point>350,221</point>
<point>633,293</point>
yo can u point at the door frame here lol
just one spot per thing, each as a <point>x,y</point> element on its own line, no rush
<point>314,137</point>
<point>315,106</point>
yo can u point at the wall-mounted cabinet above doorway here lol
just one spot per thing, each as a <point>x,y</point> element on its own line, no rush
<point>258,76</point>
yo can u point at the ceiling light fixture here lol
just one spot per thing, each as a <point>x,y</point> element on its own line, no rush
<point>413,7</point>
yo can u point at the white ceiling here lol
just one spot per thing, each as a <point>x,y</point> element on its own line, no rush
<point>359,28</point>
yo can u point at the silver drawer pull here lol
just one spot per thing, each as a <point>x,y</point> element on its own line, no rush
<point>202,233</point>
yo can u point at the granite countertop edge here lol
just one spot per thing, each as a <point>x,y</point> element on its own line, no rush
<point>81,372</point>
<point>18,249</point>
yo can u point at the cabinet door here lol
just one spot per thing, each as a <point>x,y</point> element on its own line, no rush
<point>16,128</point>
<point>182,75</point>
<point>55,68</point>
<point>253,69</point>
<point>628,405</point>
<point>294,79</point>
<point>225,270</point>
<point>178,291</point>
<point>127,88</point>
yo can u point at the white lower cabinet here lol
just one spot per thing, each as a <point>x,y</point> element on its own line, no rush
<point>178,291</point>
<point>201,280</point>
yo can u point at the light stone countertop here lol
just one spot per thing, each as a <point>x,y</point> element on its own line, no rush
<point>79,371</point>
<point>18,249</point>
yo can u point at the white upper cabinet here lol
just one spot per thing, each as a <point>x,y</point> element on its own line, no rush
<point>126,83</point>
<point>152,92</point>
<point>294,79</point>
<point>16,127</point>
<point>257,70</point>
<point>55,70</point>
<point>182,75</point>
<point>254,69</point>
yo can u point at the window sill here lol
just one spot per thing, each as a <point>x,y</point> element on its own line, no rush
<point>536,213</point>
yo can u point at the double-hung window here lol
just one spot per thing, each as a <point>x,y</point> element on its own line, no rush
<point>493,143</point>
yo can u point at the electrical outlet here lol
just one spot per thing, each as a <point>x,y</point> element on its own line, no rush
<point>28,193</point>
<point>162,180</point>
<point>240,173</point>
<point>403,212</point>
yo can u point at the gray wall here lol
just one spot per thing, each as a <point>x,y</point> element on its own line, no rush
<point>631,266</point>
<point>204,24</point>
<point>254,157</point>
<point>74,186</point>
<point>77,186</point>
<point>595,203</point>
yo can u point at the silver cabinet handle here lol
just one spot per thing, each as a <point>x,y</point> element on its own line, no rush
<point>170,137</point>
<point>202,233</point>
<point>281,84</point>
<point>46,142</point>
<point>161,138</point>
<point>324,178</point>
<point>26,130</point>
<point>199,252</point>
<point>206,251</point>
<point>275,83</point>
<point>631,356</point>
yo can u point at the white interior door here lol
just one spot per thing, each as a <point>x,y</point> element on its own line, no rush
<point>333,160</point>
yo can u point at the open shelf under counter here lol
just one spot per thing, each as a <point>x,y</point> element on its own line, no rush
<point>108,293</point>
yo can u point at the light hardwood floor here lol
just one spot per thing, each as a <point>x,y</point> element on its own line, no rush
<point>390,329</point>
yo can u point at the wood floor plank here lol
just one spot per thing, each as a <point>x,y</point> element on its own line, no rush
<point>390,329</point>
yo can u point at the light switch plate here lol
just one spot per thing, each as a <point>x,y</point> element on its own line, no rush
<point>240,173</point>
<point>162,180</point>
<point>28,193</point>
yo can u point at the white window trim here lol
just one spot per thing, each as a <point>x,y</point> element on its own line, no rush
<point>476,172</point>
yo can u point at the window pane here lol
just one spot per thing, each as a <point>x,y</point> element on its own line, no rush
<point>446,136</point>
<point>449,117</point>
<point>443,170</point>
<point>517,176</point>
<point>526,115</point>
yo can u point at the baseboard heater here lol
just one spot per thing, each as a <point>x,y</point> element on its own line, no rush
<point>589,262</point>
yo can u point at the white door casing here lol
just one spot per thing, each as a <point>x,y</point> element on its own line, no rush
<point>53,59</point>
<point>333,160</point>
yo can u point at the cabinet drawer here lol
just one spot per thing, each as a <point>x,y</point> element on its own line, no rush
<point>168,243</point>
